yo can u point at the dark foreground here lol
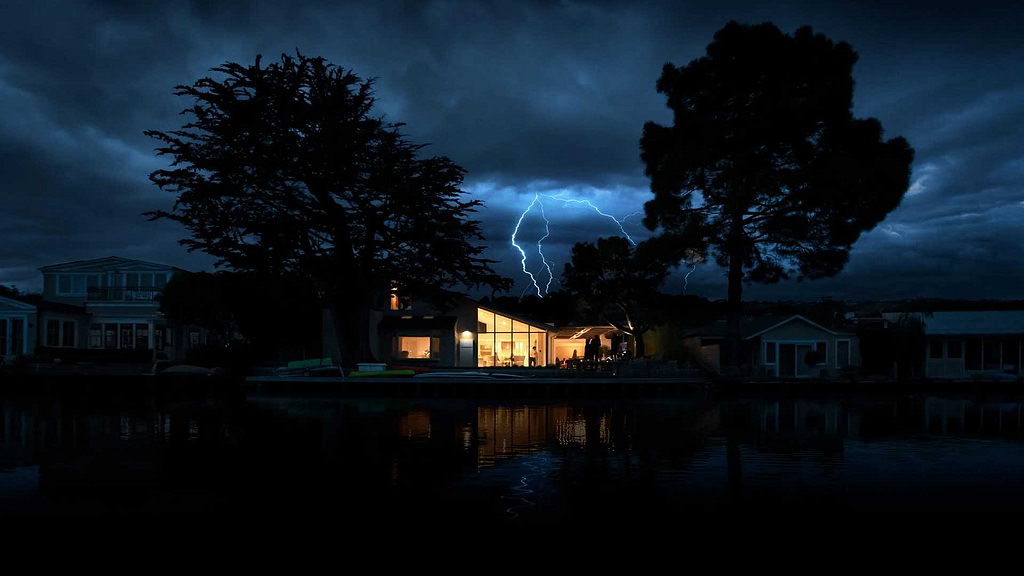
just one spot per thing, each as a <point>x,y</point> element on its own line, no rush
<point>777,460</point>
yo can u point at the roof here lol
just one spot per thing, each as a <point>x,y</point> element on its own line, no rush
<point>418,322</point>
<point>976,322</point>
<point>752,326</point>
<point>8,304</point>
<point>34,302</point>
<point>582,331</point>
<point>115,263</point>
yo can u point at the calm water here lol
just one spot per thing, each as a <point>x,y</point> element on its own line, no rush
<point>466,464</point>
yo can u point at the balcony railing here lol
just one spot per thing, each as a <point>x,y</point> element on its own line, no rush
<point>120,294</point>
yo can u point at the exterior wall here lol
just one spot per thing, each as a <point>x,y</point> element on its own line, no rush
<point>148,311</point>
<point>28,317</point>
<point>710,355</point>
<point>800,333</point>
<point>1008,360</point>
<point>29,331</point>
<point>81,328</point>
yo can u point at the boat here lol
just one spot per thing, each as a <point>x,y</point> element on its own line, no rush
<point>448,374</point>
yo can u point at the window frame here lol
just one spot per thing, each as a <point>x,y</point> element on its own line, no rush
<point>432,340</point>
<point>61,332</point>
<point>72,278</point>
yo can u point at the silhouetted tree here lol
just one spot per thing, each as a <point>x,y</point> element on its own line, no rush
<point>898,347</point>
<point>282,169</point>
<point>272,312</point>
<point>619,282</point>
<point>764,163</point>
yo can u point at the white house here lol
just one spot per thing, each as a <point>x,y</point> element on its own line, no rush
<point>103,304</point>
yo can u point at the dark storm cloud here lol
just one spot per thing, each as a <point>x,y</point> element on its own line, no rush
<point>532,97</point>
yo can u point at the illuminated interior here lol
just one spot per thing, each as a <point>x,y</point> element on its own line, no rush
<point>502,341</point>
<point>415,347</point>
<point>564,348</point>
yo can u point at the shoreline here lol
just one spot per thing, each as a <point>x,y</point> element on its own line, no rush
<point>113,386</point>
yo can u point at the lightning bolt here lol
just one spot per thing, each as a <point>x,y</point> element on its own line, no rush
<point>536,199</point>
<point>686,279</point>
<point>596,209</point>
<point>540,247</point>
<point>547,232</point>
<point>628,216</point>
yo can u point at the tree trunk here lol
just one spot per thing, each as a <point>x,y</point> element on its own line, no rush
<point>353,323</point>
<point>734,340</point>
<point>638,343</point>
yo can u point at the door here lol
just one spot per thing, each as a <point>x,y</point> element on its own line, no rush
<point>787,360</point>
<point>802,369</point>
<point>17,336</point>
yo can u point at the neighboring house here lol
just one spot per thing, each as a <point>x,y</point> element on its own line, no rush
<point>18,322</point>
<point>468,334</point>
<point>776,346</point>
<point>963,344</point>
<point>103,304</point>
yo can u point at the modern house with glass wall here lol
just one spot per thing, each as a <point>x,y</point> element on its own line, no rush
<point>102,304</point>
<point>470,334</point>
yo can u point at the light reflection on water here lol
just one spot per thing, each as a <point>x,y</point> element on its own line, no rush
<point>506,463</point>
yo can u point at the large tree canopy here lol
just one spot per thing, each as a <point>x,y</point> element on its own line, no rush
<point>764,164</point>
<point>283,168</point>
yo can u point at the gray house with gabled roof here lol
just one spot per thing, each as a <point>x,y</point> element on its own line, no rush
<point>778,346</point>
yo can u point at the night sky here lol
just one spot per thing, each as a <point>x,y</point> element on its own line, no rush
<point>543,97</point>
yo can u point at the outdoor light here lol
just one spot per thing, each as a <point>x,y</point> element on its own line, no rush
<point>467,335</point>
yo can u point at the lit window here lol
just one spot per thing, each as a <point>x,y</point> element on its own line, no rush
<point>415,347</point>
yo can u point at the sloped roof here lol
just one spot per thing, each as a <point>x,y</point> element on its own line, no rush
<point>752,326</point>
<point>110,263</point>
<point>582,331</point>
<point>9,304</point>
<point>982,322</point>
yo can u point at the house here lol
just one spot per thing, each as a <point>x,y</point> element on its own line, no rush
<point>105,304</point>
<point>776,346</point>
<point>964,344</point>
<point>18,322</point>
<point>468,334</point>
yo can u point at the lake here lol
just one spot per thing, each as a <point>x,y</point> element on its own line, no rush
<point>472,464</point>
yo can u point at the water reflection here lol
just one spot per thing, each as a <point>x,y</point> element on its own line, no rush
<point>485,462</point>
